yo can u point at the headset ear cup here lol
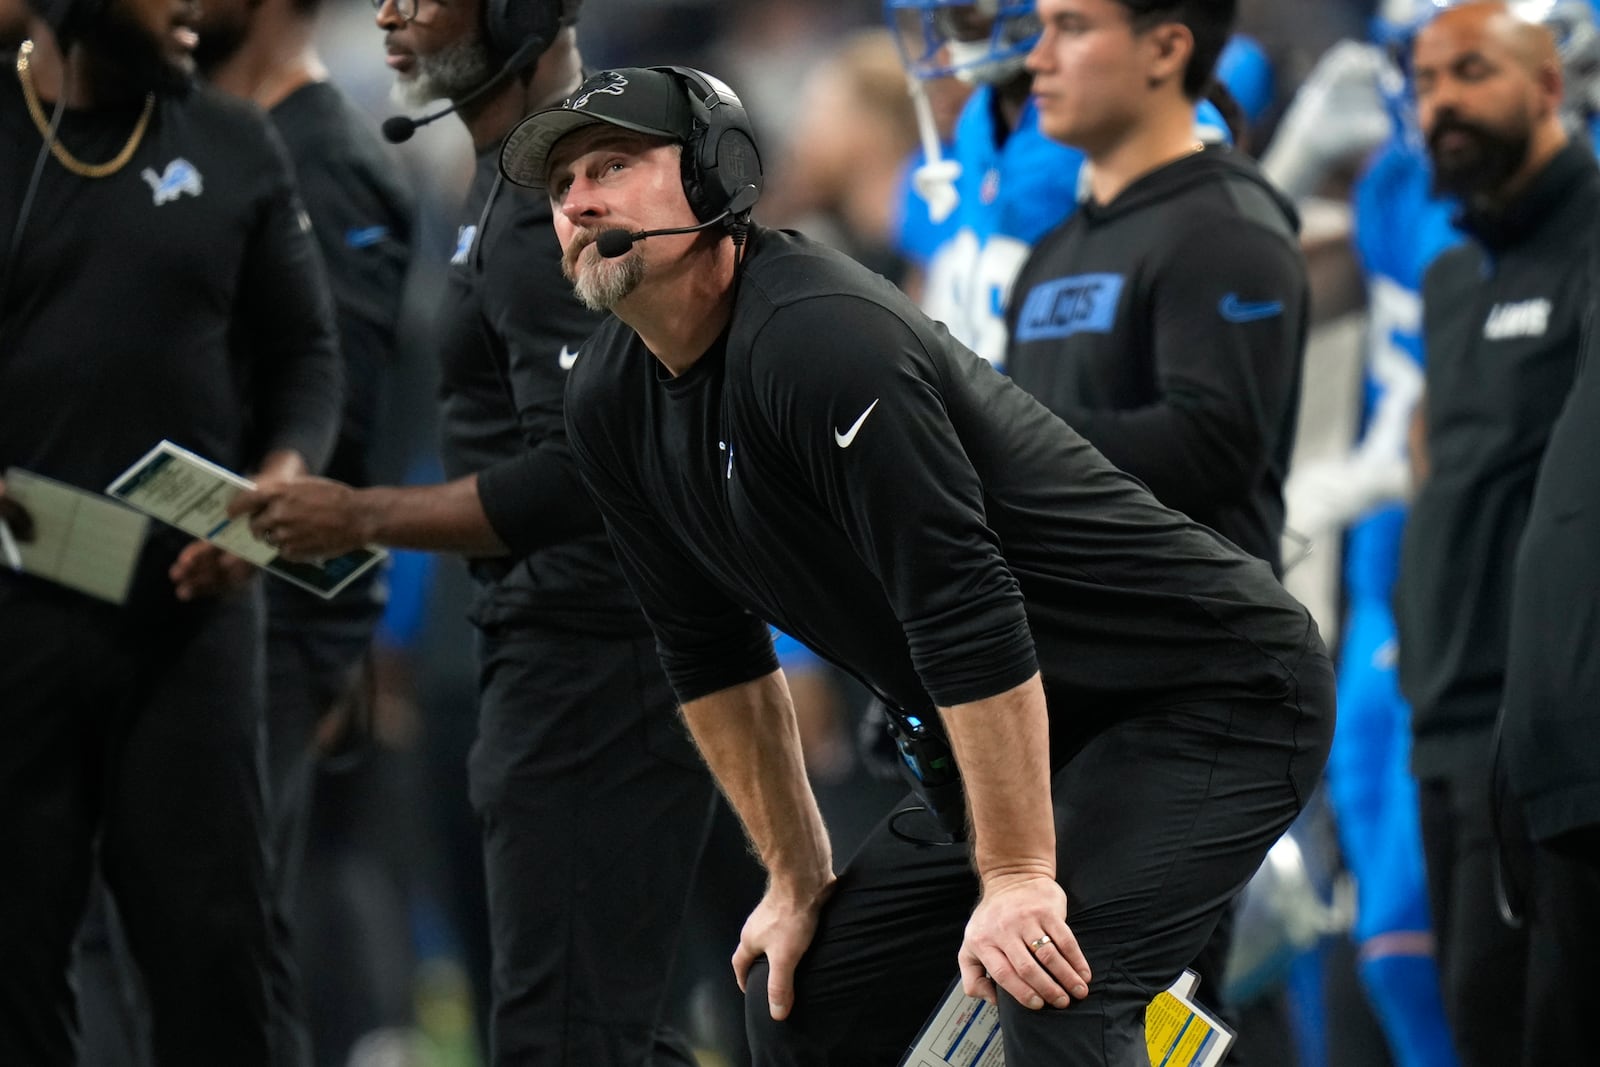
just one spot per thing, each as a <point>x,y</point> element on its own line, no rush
<point>695,190</point>
<point>510,23</point>
<point>738,163</point>
<point>720,157</point>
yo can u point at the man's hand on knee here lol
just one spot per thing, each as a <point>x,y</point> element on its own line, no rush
<point>780,928</point>
<point>1018,940</point>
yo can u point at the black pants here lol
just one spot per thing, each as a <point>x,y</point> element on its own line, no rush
<point>1563,920</point>
<point>1482,961</point>
<point>142,727</point>
<point>1160,821</point>
<point>340,919</point>
<point>1514,995</point>
<point>594,806</point>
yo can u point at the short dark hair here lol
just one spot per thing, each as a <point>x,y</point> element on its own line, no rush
<point>1210,22</point>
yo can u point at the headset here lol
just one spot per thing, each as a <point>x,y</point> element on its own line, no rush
<point>508,25</point>
<point>720,159</point>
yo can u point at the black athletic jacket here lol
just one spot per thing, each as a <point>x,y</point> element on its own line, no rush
<point>511,332</point>
<point>1552,694</point>
<point>1168,328</point>
<point>838,465</point>
<point>1501,321</point>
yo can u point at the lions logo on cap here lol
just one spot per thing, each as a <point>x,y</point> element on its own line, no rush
<point>611,83</point>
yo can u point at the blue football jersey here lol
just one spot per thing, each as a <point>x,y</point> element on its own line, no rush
<point>1400,229</point>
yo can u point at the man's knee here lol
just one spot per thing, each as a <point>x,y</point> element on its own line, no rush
<point>792,1042</point>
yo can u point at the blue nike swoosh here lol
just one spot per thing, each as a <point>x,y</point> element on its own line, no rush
<point>1235,310</point>
<point>365,236</point>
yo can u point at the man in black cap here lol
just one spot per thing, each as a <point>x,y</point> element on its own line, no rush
<point>592,800</point>
<point>1131,709</point>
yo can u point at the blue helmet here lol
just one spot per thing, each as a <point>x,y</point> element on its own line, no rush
<point>974,40</point>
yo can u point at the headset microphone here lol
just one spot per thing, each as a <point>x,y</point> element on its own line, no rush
<point>614,243</point>
<point>399,128</point>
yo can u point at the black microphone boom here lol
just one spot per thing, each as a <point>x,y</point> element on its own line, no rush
<point>399,128</point>
<point>613,243</point>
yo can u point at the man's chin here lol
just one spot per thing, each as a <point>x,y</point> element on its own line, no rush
<point>177,78</point>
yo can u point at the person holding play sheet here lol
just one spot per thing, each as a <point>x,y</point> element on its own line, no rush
<point>592,803</point>
<point>1136,709</point>
<point>146,222</point>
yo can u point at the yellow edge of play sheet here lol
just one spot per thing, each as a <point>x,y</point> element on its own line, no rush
<point>965,1032</point>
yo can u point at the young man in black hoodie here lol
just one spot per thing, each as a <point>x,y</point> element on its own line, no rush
<point>1502,318</point>
<point>1165,321</point>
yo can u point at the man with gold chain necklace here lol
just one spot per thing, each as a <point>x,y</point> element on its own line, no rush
<point>147,227</point>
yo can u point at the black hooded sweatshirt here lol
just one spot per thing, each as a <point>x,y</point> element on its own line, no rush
<point>1168,328</point>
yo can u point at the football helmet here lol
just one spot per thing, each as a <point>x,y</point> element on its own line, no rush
<point>974,40</point>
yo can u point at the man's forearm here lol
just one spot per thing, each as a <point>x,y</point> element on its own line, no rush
<point>749,737</point>
<point>1002,745</point>
<point>434,518</point>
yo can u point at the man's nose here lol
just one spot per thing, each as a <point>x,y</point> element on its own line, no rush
<point>582,201</point>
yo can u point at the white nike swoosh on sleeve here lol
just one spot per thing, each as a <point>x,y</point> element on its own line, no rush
<point>846,439</point>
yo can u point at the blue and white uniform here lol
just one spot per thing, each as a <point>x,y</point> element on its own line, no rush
<point>1399,230</point>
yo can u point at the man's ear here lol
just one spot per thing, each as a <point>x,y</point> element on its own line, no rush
<point>1169,44</point>
<point>1552,83</point>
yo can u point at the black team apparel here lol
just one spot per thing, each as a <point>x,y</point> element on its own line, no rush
<point>1168,327</point>
<point>1552,718</point>
<point>1552,689</point>
<point>838,466</point>
<point>361,216</point>
<point>592,798</point>
<point>138,726</point>
<point>1502,317</point>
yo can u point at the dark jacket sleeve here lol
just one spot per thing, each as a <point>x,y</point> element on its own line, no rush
<point>363,226</point>
<point>538,328</point>
<point>706,642</point>
<point>852,393</point>
<point>286,314</point>
<point>1227,307</point>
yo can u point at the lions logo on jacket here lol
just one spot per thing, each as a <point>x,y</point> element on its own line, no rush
<point>180,177</point>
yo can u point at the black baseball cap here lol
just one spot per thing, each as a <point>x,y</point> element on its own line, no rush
<point>634,98</point>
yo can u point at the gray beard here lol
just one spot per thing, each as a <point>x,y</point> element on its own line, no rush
<point>602,284</point>
<point>448,74</point>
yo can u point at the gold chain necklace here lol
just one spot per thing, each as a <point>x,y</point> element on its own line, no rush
<point>57,149</point>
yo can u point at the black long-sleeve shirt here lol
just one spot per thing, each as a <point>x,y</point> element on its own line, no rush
<point>512,332</point>
<point>361,215</point>
<point>839,466</point>
<point>1168,328</point>
<point>128,293</point>
<point>1502,316</point>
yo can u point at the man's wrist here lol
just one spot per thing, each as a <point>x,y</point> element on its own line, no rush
<point>367,509</point>
<point>996,878</point>
<point>801,888</point>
